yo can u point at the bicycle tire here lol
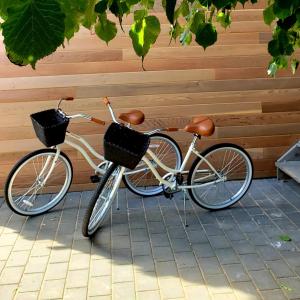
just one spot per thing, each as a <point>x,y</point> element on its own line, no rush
<point>21,164</point>
<point>157,189</point>
<point>233,199</point>
<point>93,202</point>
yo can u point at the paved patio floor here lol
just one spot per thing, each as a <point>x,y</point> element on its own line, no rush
<point>145,252</point>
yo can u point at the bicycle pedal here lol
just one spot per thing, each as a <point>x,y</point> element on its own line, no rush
<point>168,195</point>
<point>95,178</point>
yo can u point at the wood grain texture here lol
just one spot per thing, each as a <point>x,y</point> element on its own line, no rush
<point>227,82</point>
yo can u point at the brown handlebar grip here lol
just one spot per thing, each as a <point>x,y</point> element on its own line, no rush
<point>98,121</point>
<point>106,101</point>
<point>68,98</point>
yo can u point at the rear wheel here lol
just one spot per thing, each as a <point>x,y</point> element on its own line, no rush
<point>233,164</point>
<point>101,201</point>
<point>141,180</point>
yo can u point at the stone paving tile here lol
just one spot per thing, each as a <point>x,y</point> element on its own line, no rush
<point>218,284</point>
<point>100,286</point>
<point>31,282</point>
<point>185,259</point>
<point>8,291</point>
<point>11,275</point>
<point>236,273</point>
<point>252,262</point>
<point>280,269</point>
<point>291,287</point>
<point>273,295</point>
<point>77,293</point>
<point>263,280</point>
<point>148,295</point>
<point>193,292</point>
<point>210,266</point>
<point>166,269</point>
<point>27,296</point>
<point>246,291</point>
<point>143,263</point>
<point>171,288</point>
<point>77,278</point>
<point>122,273</point>
<point>100,267</point>
<point>162,253</point>
<point>52,289</point>
<point>123,291</point>
<point>227,256</point>
<point>146,281</point>
<point>145,252</point>
<point>224,297</point>
<point>190,276</point>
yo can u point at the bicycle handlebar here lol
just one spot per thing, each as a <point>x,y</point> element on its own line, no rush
<point>85,116</point>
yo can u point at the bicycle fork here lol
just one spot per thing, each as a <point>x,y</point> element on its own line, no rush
<point>39,184</point>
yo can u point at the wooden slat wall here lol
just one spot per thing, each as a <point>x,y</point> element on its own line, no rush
<point>227,82</point>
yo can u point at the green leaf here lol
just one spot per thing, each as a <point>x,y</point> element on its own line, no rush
<point>148,3</point>
<point>272,69</point>
<point>294,65</point>
<point>221,3</point>
<point>273,48</point>
<point>206,35</point>
<point>119,9</point>
<point>183,9</point>
<point>283,8</point>
<point>224,19</point>
<point>74,12</point>
<point>176,31</point>
<point>269,16</point>
<point>90,15</point>
<point>170,10</point>
<point>140,14</point>
<point>5,5</point>
<point>143,34</point>
<point>186,38</point>
<point>285,287</point>
<point>101,6</point>
<point>34,29</point>
<point>285,238</point>
<point>105,29</point>
<point>198,19</point>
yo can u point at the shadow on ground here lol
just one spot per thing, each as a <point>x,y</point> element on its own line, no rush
<point>238,253</point>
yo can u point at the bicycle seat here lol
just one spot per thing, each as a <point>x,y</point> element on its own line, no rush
<point>201,125</point>
<point>134,117</point>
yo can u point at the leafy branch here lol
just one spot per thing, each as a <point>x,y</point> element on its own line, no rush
<point>33,29</point>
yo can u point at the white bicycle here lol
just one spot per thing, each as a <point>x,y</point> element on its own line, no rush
<point>41,179</point>
<point>218,178</point>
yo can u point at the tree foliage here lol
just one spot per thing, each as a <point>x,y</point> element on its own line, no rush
<point>33,29</point>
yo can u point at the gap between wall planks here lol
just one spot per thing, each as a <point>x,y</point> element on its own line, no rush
<point>228,82</point>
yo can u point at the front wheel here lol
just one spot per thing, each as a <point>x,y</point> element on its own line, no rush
<point>38,182</point>
<point>221,177</point>
<point>102,199</point>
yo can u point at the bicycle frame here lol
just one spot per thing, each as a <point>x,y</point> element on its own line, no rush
<point>174,172</point>
<point>79,143</point>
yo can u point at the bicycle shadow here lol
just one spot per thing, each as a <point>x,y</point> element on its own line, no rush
<point>146,241</point>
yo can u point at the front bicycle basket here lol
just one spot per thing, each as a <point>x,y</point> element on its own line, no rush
<point>124,146</point>
<point>50,127</point>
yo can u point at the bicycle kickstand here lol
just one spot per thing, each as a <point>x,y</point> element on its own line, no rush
<point>184,208</point>
<point>118,208</point>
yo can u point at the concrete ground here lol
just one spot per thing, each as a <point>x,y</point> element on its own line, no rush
<point>145,252</point>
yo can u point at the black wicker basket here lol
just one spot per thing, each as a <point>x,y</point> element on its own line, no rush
<point>124,146</point>
<point>50,127</point>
